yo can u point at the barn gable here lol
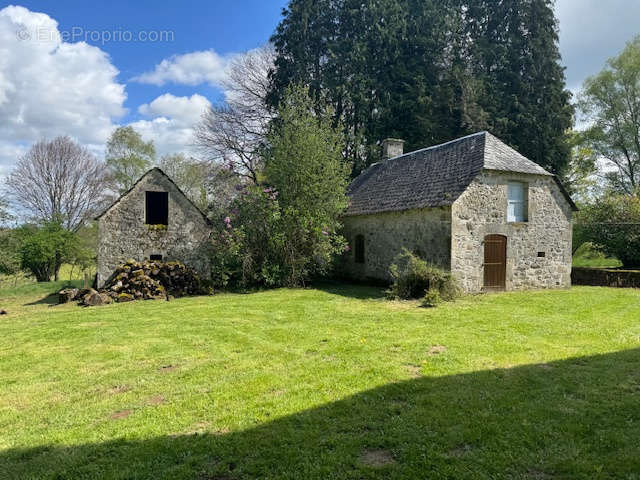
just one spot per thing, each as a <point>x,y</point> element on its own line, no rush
<point>153,220</point>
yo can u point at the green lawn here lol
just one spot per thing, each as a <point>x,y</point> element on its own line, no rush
<point>587,256</point>
<point>331,382</point>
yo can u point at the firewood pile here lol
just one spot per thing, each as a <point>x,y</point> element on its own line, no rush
<point>148,280</point>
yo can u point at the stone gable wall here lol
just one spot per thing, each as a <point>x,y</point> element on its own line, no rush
<point>482,209</point>
<point>426,231</point>
<point>123,235</point>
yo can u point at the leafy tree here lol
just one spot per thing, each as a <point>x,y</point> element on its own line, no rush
<point>514,55</point>
<point>428,71</point>
<point>610,102</point>
<point>286,231</point>
<point>58,181</point>
<point>127,158</point>
<point>9,257</point>
<point>84,248</point>
<point>5,216</point>
<point>612,224</point>
<point>43,249</point>
<point>581,176</point>
<point>189,174</point>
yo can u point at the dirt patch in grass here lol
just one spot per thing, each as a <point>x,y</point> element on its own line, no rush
<point>437,350</point>
<point>156,400</point>
<point>118,389</point>
<point>200,428</point>
<point>414,371</point>
<point>168,368</point>
<point>121,414</point>
<point>377,458</point>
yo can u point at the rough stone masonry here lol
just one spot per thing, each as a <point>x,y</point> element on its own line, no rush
<point>123,233</point>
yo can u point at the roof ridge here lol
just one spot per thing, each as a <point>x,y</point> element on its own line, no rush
<point>433,147</point>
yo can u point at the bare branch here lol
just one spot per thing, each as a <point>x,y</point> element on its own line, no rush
<point>58,180</point>
<point>234,134</point>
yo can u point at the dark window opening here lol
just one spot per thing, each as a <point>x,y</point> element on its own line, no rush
<point>157,208</point>
<point>359,249</point>
<point>542,254</point>
<point>155,257</point>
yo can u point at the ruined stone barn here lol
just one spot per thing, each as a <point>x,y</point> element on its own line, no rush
<point>473,206</point>
<point>154,220</point>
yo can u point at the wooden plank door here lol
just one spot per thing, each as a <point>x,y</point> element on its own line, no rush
<point>495,262</point>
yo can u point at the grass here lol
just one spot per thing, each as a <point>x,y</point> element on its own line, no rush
<point>330,382</point>
<point>67,272</point>
<point>587,256</point>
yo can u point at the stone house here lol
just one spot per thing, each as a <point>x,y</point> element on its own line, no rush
<point>154,220</point>
<point>473,206</point>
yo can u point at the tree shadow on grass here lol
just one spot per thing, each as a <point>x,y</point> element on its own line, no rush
<point>51,300</point>
<point>352,290</point>
<point>578,418</point>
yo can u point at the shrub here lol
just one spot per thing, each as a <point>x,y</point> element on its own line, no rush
<point>414,278</point>
<point>612,225</point>
<point>431,299</point>
<point>284,232</point>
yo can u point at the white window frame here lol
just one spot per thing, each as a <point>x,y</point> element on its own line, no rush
<point>517,208</point>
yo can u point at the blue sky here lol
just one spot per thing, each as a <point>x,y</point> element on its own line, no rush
<point>61,85</point>
<point>222,25</point>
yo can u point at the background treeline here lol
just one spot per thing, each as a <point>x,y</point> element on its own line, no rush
<point>307,111</point>
<point>428,71</point>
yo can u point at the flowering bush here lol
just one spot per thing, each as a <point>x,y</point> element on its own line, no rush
<point>259,244</point>
<point>284,231</point>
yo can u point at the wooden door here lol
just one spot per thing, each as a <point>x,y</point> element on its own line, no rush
<point>495,262</point>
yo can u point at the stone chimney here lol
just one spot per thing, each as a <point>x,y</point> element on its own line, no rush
<point>392,147</point>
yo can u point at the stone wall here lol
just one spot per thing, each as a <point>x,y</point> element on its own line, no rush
<point>123,235</point>
<point>481,210</point>
<point>425,231</point>
<point>601,277</point>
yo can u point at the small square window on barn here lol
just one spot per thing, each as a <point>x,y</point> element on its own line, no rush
<point>517,202</point>
<point>156,208</point>
<point>359,249</point>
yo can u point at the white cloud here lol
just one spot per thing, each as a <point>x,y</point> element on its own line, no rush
<point>185,109</point>
<point>172,121</point>
<point>49,87</point>
<point>192,68</point>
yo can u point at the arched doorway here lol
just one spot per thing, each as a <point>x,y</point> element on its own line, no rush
<point>495,262</point>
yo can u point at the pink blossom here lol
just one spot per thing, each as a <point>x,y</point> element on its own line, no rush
<point>347,248</point>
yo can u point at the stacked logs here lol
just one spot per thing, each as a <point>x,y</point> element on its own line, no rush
<point>148,280</point>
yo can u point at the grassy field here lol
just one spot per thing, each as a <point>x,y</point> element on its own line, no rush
<point>67,272</point>
<point>330,382</point>
<point>587,256</point>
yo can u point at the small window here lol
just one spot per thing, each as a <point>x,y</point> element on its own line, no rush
<point>542,254</point>
<point>155,257</point>
<point>359,253</point>
<point>156,208</point>
<point>517,193</point>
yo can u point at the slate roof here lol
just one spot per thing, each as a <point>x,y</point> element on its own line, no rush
<point>434,176</point>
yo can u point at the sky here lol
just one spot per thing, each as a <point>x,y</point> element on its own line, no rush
<point>83,68</point>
